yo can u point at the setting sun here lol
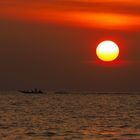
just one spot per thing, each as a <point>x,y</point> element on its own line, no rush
<point>107,51</point>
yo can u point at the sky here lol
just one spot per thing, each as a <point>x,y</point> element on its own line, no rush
<point>51,44</point>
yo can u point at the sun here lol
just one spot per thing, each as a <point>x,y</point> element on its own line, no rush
<point>107,51</point>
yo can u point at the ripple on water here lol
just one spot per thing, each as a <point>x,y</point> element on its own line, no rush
<point>69,117</point>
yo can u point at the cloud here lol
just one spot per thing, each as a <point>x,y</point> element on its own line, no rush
<point>109,14</point>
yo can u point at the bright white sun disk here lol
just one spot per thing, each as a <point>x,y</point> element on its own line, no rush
<point>107,51</point>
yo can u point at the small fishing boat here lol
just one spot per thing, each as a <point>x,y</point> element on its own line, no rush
<point>35,91</point>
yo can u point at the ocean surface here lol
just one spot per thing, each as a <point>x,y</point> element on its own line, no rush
<point>69,116</point>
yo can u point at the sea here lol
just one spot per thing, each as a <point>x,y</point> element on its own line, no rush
<point>69,116</point>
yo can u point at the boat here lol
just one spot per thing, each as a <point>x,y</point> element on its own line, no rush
<point>35,91</point>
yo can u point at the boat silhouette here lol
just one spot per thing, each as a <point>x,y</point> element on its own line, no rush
<point>35,91</point>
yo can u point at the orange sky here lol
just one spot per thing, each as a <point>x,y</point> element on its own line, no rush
<point>51,44</point>
<point>108,14</point>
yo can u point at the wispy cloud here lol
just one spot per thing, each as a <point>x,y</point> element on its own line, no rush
<point>110,14</point>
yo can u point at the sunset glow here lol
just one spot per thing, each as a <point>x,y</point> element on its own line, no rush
<point>56,43</point>
<point>79,13</point>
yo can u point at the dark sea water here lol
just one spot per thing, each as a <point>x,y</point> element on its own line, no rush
<point>72,116</point>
